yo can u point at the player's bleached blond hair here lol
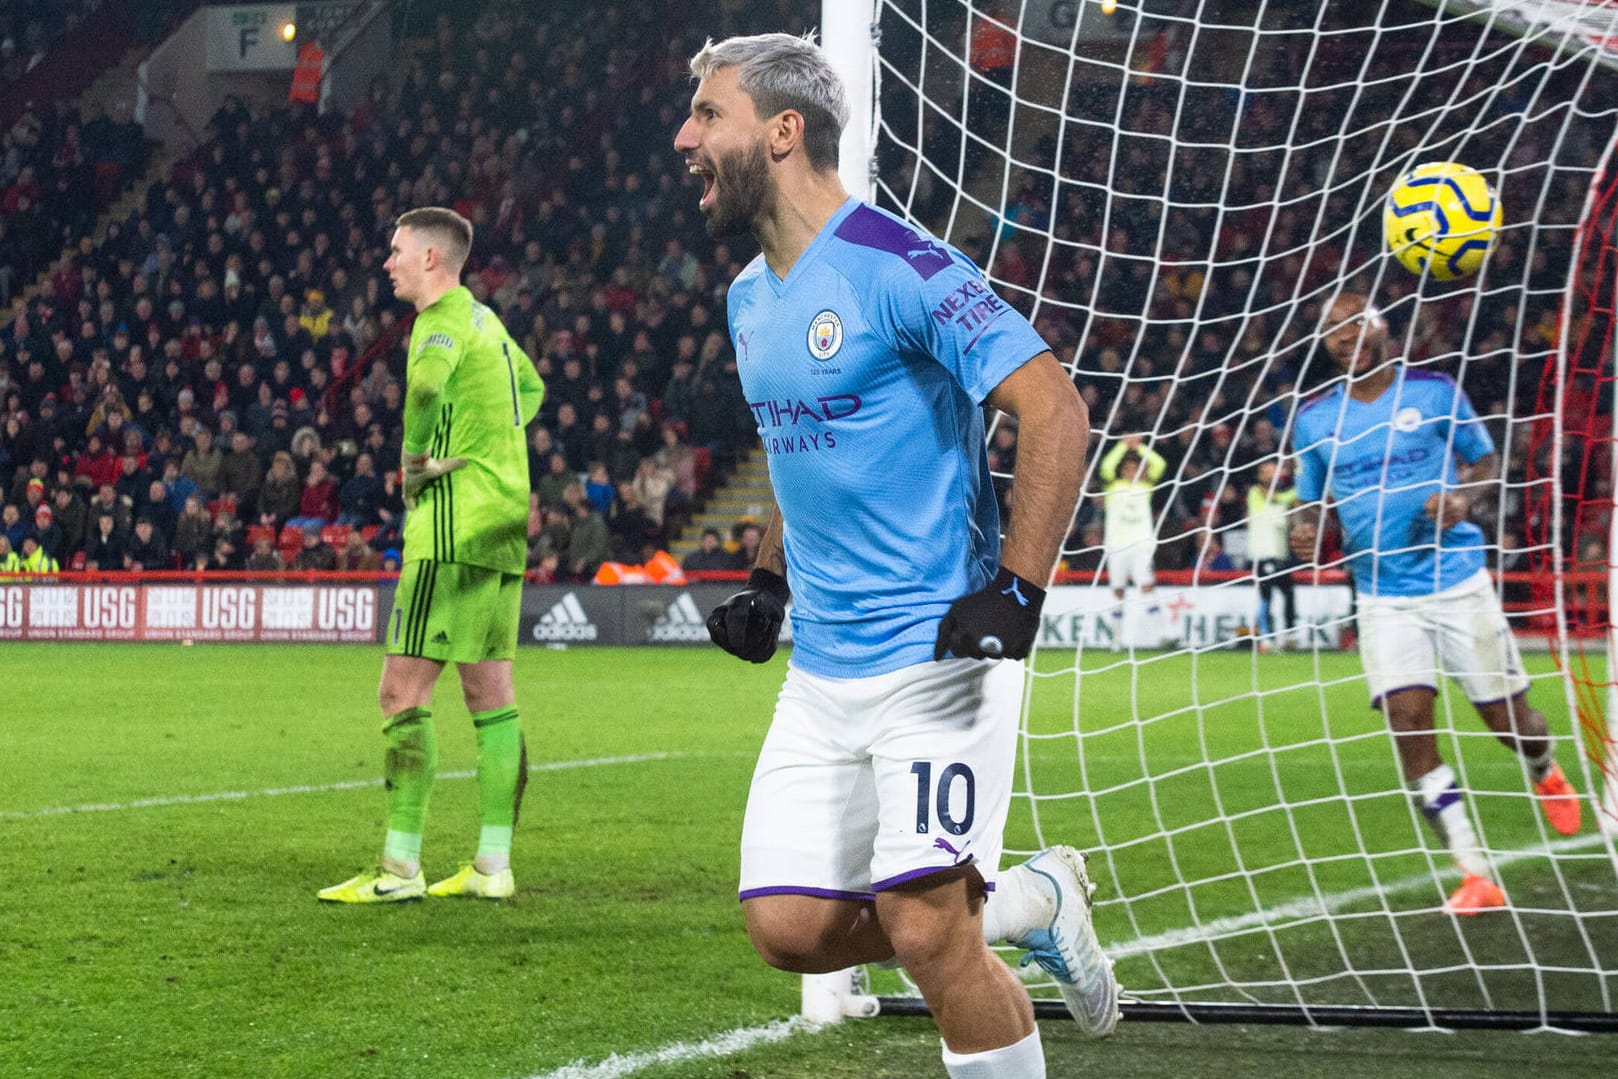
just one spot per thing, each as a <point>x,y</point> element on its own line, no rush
<point>450,232</point>
<point>780,72</point>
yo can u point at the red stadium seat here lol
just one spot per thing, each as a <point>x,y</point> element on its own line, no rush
<point>291,542</point>
<point>368,533</point>
<point>335,536</point>
<point>258,532</point>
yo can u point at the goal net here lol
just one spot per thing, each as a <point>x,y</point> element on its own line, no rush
<point>1174,191</point>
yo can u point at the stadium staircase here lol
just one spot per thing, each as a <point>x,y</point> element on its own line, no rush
<point>744,496</point>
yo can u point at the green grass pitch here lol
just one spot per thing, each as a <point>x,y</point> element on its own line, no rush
<point>167,813</point>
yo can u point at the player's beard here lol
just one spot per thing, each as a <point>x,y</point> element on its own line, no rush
<point>742,193</point>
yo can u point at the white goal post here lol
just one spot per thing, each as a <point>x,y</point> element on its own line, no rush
<point>1173,190</point>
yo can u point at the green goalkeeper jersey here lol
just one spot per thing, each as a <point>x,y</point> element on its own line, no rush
<point>469,392</point>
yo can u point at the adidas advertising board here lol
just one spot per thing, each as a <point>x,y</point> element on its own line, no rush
<point>677,622</point>
<point>568,618</point>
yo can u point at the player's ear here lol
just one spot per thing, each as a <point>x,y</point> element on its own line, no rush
<point>784,132</point>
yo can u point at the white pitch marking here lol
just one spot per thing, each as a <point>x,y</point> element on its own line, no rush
<point>720,1045</point>
<point>319,788</point>
<point>1313,907</point>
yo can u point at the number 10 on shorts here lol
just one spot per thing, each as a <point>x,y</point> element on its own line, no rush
<point>927,799</point>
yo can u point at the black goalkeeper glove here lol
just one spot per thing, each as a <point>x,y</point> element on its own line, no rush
<point>997,622</point>
<point>747,624</point>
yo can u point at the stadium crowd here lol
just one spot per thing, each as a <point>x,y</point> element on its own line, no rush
<point>193,387</point>
<point>230,351</point>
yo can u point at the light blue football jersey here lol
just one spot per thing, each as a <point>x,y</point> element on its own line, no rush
<point>866,369</point>
<point>1380,461</point>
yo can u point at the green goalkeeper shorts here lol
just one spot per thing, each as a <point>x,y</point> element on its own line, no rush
<point>455,613</point>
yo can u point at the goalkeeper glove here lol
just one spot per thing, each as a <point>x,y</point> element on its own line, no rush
<point>421,469</point>
<point>747,624</point>
<point>996,622</point>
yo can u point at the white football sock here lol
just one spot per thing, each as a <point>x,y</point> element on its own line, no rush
<point>1017,906</point>
<point>1440,800</point>
<point>1539,767</point>
<point>1020,1060</point>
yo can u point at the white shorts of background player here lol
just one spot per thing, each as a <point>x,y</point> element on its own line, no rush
<point>1406,642</point>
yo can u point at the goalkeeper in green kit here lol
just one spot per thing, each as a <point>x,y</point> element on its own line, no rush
<point>469,394</point>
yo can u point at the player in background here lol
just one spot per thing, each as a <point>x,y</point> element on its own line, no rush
<point>1129,472</point>
<point>1268,506</point>
<point>1383,444</point>
<point>469,393</point>
<point>866,350</point>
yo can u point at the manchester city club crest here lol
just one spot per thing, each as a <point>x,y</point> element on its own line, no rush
<point>1407,419</point>
<point>825,335</point>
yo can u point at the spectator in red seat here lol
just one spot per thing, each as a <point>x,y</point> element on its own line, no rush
<point>226,525</point>
<point>105,547</point>
<point>357,556</point>
<point>146,550</point>
<point>203,462</point>
<point>221,559</point>
<point>361,495</point>
<point>72,516</point>
<point>50,535</point>
<point>315,553</point>
<point>177,486</point>
<point>97,463</point>
<point>318,504</point>
<point>265,558</point>
<point>154,503</point>
<point>389,511</point>
<point>106,500</point>
<point>134,478</point>
<point>241,473</point>
<point>193,531</point>
<point>281,494</point>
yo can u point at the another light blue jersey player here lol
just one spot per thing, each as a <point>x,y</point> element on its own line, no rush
<point>1383,443</point>
<point>1381,462</point>
<point>879,347</point>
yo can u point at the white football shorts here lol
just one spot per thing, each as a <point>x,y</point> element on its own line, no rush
<point>1131,565</point>
<point>866,783</point>
<point>1405,641</point>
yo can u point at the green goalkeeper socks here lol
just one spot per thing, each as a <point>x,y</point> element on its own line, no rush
<point>502,775</point>
<point>412,757</point>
